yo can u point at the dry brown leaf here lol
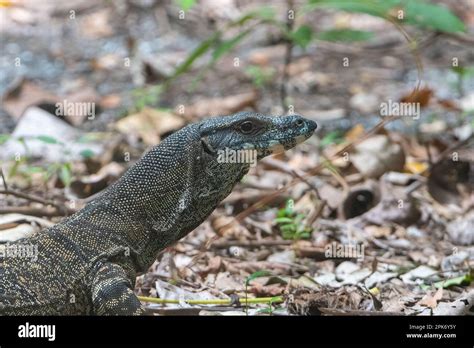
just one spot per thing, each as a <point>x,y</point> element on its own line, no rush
<point>214,265</point>
<point>86,95</point>
<point>264,55</point>
<point>89,185</point>
<point>432,300</point>
<point>150,124</point>
<point>267,290</point>
<point>221,106</point>
<point>449,105</point>
<point>96,25</point>
<point>355,133</point>
<point>110,101</point>
<point>24,94</point>
<point>378,231</point>
<point>421,96</point>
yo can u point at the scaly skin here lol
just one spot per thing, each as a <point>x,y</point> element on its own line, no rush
<point>87,264</point>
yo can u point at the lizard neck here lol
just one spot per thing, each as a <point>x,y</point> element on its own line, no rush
<point>166,195</point>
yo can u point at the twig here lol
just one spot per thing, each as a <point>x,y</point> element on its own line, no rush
<point>4,180</point>
<point>288,53</point>
<point>293,172</point>
<point>250,244</point>
<point>229,301</point>
<point>62,210</point>
<point>28,197</point>
<point>464,38</point>
<point>49,212</point>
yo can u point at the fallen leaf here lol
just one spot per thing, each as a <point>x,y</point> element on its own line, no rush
<point>355,133</point>
<point>431,301</point>
<point>421,96</point>
<point>220,106</point>
<point>415,167</point>
<point>96,25</point>
<point>150,124</point>
<point>110,101</point>
<point>24,94</point>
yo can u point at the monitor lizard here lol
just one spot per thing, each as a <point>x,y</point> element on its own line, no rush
<point>88,263</point>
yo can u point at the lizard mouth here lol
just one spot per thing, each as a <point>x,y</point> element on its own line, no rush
<point>296,129</point>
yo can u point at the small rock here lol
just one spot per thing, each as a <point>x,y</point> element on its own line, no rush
<point>379,277</point>
<point>454,261</point>
<point>378,155</point>
<point>287,256</point>
<point>434,127</point>
<point>421,272</point>
<point>461,230</point>
<point>467,102</point>
<point>364,102</point>
<point>325,279</point>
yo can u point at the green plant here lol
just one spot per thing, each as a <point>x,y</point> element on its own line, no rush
<point>24,168</point>
<point>333,137</point>
<point>185,4</point>
<point>4,138</point>
<point>260,76</point>
<point>418,13</point>
<point>291,223</point>
<point>251,277</point>
<point>462,73</point>
<point>400,12</point>
<point>143,97</point>
<point>413,12</point>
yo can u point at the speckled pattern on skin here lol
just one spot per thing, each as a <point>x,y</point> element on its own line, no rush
<point>87,264</point>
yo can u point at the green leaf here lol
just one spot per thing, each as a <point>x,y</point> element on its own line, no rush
<point>302,36</point>
<point>281,220</point>
<point>185,4</point>
<point>432,16</point>
<point>198,52</point>
<point>333,137</point>
<point>4,138</point>
<point>227,45</point>
<point>345,35</point>
<point>65,174</point>
<point>255,275</point>
<point>378,8</point>
<point>462,280</point>
<point>87,153</point>
<point>47,139</point>
<point>33,170</point>
<point>265,13</point>
<point>417,12</point>
<point>260,77</point>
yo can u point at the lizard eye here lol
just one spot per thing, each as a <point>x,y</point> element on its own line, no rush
<point>246,127</point>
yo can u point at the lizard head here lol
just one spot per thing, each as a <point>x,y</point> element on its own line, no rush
<point>253,132</point>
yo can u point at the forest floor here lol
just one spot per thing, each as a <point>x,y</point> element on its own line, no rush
<point>363,218</point>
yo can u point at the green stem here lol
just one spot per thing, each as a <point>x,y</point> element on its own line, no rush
<point>276,299</point>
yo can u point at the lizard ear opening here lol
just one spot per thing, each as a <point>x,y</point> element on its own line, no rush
<point>207,146</point>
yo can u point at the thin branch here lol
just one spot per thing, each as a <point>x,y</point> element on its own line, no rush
<point>4,180</point>
<point>39,212</point>
<point>249,244</point>
<point>58,209</point>
<point>288,54</point>
<point>28,197</point>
